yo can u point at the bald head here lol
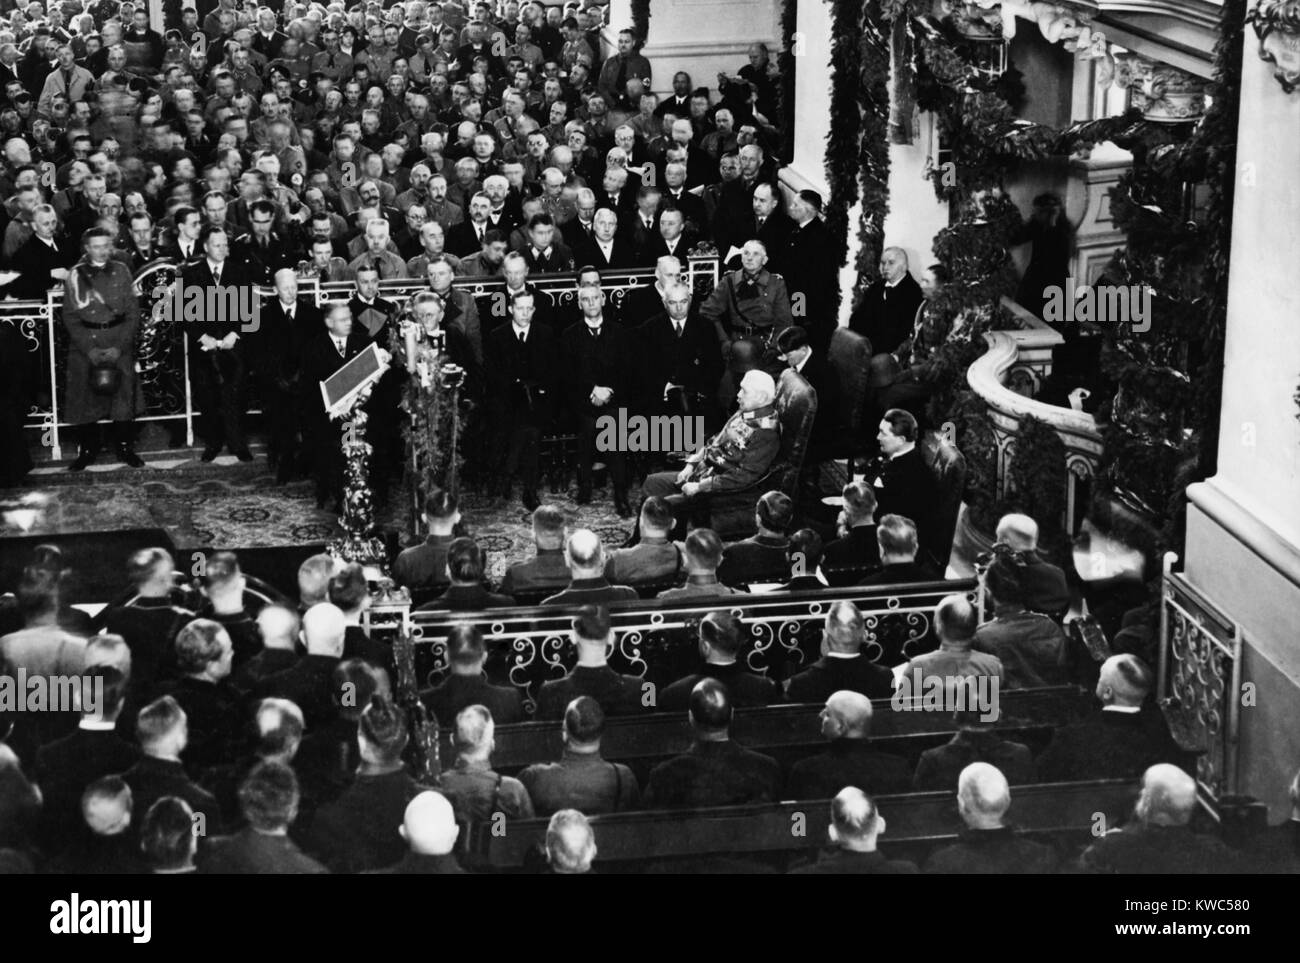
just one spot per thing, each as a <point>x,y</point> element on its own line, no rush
<point>570,842</point>
<point>982,796</point>
<point>1125,680</point>
<point>429,825</point>
<point>278,626</point>
<point>323,628</point>
<point>847,716</point>
<point>855,821</point>
<point>845,629</point>
<point>585,553</point>
<point>1020,532</point>
<point>1168,796</point>
<point>106,806</point>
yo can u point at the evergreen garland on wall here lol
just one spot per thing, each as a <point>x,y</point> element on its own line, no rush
<point>846,122</point>
<point>873,144</point>
<point>785,60</point>
<point>641,19</point>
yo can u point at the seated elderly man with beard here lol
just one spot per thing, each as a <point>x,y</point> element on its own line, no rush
<point>735,458</point>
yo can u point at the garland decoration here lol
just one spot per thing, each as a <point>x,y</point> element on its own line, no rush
<point>873,144</point>
<point>785,60</point>
<point>641,20</point>
<point>843,139</point>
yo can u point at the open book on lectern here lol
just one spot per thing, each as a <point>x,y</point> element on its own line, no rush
<point>339,391</point>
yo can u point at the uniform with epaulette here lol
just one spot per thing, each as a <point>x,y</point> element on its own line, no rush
<point>736,457</point>
<point>745,306</point>
<point>101,314</point>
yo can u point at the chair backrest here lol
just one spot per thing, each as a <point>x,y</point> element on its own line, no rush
<point>849,356</point>
<point>796,407</point>
<point>948,466</point>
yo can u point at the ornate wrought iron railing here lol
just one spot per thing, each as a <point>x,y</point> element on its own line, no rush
<point>657,641</point>
<point>162,359</point>
<point>1199,683</point>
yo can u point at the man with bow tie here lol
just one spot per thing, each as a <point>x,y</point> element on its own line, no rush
<point>101,314</point>
<point>216,358</point>
<point>597,359</point>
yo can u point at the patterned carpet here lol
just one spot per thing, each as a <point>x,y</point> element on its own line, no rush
<point>239,505</point>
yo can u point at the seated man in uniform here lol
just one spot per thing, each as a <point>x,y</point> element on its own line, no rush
<point>735,458</point>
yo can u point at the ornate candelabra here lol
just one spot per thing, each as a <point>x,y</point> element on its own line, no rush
<point>360,544</point>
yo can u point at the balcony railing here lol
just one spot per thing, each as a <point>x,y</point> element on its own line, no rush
<point>1007,376</point>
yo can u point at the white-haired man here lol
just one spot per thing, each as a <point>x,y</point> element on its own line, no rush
<point>988,844</point>
<point>1160,838</point>
<point>856,824</point>
<point>570,843</point>
<point>736,457</point>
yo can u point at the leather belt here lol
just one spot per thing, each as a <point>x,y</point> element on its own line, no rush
<point>93,326</point>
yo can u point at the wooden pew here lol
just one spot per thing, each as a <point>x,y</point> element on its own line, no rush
<point>667,734</point>
<point>912,819</point>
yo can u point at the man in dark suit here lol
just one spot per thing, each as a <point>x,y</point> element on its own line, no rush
<point>1044,584</point>
<point>976,740</point>
<point>359,830</point>
<point>715,771</point>
<point>763,556</point>
<point>672,239</point>
<point>597,356</point>
<point>430,830</point>
<point>719,634</point>
<point>161,731</point>
<point>677,197</point>
<point>887,312</point>
<point>212,710</point>
<point>547,571</point>
<point>850,760</point>
<point>467,685</point>
<point>581,779</point>
<point>809,267</point>
<point>150,623</point>
<point>681,362</point>
<point>766,222</point>
<point>588,584</point>
<point>545,253</point>
<point>522,371</point>
<point>845,558</point>
<point>618,695</point>
<point>285,324</point>
<point>989,844</point>
<point>1120,740</point>
<point>855,825</point>
<point>268,800</point>
<point>218,367</point>
<point>844,666</point>
<point>605,249</point>
<point>897,547</point>
<point>795,349</point>
<point>43,260</point>
<point>307,683</point>
<point>424,566</point>
<point>467,593</point>
<point>65,767</point>
<point>903,482</point>
<point>183,245</point>
<point>1160,839</point>
<point>466,237</point>
<point>322,356</point>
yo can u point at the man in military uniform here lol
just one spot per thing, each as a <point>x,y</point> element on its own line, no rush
<point>101,314</point>
<point>260,250</point>
<point>736,457</point>
<point>749,303</point>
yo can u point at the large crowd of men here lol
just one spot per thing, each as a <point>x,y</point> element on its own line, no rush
<point>361,143</point>
<point>233,732</point>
